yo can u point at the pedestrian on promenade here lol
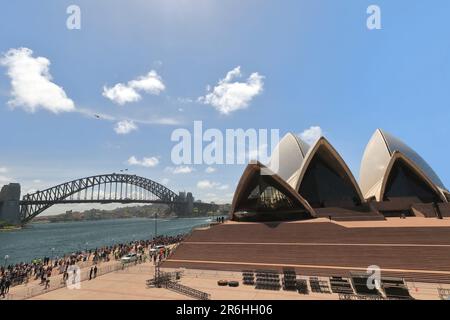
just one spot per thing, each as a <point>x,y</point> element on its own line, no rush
<point>95,272</point>
<point>90,273</point>
<point>7,285</point>
<point>47,283</point>
<point>2,287</point>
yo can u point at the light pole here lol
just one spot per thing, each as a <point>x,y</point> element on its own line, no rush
<point>156,260</point>
<point>53,254</point>
<point>156,224</point>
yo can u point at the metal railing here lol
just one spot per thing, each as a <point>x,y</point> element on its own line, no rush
<point>347,296</point>
<point>57,282</point>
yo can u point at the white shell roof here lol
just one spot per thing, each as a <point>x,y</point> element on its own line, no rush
<point>376,158</point>
<point>288,155</point>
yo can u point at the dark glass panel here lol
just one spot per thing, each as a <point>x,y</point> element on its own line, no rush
<point>267,196</point>
<point>326,183</point>
<point>404,182</point>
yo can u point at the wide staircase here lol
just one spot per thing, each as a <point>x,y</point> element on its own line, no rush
<point>349,214</point>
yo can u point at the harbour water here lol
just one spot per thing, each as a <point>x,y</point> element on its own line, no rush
<point>57,239</point>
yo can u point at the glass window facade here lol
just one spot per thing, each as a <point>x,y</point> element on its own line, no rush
<point>327,184</point>
<point>404,182</point>
<point>266,195</point>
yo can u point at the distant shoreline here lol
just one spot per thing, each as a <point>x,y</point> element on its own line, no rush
<point>45,221</point>
<point>10,228</point>
<point>146,212</point>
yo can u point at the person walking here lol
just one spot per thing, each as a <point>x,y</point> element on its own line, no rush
<point>95,272</point>
<point>90,273</point>
<point>7,284</point>
<point>2,287</point>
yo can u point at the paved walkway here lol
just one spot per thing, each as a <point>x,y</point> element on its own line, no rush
<point>131,284</point>
<point>34,287</point>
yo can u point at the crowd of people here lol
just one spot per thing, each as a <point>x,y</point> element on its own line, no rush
<point>220,219</point>
<point>42,269</point>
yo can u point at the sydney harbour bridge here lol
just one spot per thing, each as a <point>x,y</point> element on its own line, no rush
<point>104,189</point>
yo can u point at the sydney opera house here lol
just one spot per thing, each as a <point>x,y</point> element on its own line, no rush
<point>305,210</point>
<point>303,181</point>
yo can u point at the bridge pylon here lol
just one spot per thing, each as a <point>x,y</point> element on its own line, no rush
<point>10,204</point>
<point>184,204</point>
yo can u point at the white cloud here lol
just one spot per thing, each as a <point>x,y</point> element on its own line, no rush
<point>311,135</point>
<point>183,169</point>
<point>228,96</point>
<point>165,181</point>
<point>5,180</point>
<point>3,170</point>
<point>145,162</point>
<point>180,169</point>
<point>150,83</point>
<point>162,121</point>
<point>211,195</point>
<point>147,121</point>
<point>214,197</point>
<point>210,170</point>
<point>31,83</point>
<point>123,93</point>
<point>207,184</point>
<point>125,127</point>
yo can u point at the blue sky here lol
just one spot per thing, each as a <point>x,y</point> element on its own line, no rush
<point>320,65</point>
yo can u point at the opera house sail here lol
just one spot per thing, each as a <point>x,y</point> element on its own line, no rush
<point>399,180</point>
<point>288,155</point>
<point>302,181</point>
<point>266,197</point>
<point>324,179</point>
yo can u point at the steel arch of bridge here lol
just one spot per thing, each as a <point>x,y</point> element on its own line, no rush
<point>33,204</point>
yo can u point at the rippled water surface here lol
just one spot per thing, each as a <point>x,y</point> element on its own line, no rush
<point>56,239</point>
